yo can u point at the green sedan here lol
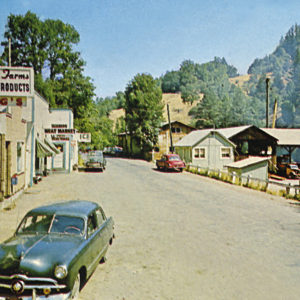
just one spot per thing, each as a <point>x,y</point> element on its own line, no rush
<point>54,251</point>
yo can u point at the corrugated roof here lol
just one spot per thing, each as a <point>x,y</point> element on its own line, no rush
<point>251,160</point>
<point>285,136</point>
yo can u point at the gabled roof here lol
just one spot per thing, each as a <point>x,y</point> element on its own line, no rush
<point>285,136</point>
<point>197,136</point>
<point>175,121</point>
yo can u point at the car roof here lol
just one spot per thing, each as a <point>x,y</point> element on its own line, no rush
<point>78,208</point>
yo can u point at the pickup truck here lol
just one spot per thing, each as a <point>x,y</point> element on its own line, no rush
<point>170,162</point>
<point>289,170</point>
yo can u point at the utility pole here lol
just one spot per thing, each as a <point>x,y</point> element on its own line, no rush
<point>172,150</point>
<point>9,52</point>
<point>267,102</point>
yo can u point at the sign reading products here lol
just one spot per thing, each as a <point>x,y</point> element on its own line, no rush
<point>16,82</point>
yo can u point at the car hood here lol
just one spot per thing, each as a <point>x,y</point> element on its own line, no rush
<point>36,254</point>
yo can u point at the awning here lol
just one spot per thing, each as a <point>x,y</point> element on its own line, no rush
<point>51,146</point>
<point>42,150</point>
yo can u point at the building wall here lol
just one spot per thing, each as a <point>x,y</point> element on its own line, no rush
<point>259,170</point>
<point>164,140</point>
<point>13,151</point>
<point>212,148</point>
<point>185,153</point>
<point>36,113</point>
<point>66,142</point>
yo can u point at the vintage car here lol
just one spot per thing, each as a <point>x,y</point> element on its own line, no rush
<point>54,251</point>
<point>95,161</point>
<point>289,170</point>
<point>170,162</point>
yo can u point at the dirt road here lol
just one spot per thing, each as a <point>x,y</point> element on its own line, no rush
<point>180,236</point>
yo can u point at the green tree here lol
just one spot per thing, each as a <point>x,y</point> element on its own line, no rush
<point>28,42</point>
<point>143,110</point>
<point>171,82</point>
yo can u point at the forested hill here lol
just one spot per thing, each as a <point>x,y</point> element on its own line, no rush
<point>231,100</point>
<point>283,67</point>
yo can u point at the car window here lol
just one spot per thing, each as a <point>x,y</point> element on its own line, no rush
<point>91,224</point>
<point>175,157</point>
<point>67,225</point>
<point>35,224</point>
<point>100,216</point>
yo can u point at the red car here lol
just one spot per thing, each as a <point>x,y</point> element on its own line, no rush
<point>170,162</point>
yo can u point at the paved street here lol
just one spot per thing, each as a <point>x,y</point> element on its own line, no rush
<point>180,236</point>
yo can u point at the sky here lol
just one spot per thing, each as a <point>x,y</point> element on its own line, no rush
<point>121,38</point>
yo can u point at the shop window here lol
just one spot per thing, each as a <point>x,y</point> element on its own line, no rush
<point>199,153</point>
<point>20,157</point>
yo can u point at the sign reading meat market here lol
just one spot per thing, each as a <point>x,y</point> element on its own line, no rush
<point>16,82</point>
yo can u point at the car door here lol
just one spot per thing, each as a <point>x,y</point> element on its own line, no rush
<point>92,252</point>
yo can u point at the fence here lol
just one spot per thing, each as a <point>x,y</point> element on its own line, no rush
<point>271,186</point>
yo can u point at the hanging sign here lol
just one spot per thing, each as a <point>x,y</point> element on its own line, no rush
<point>16,82</point>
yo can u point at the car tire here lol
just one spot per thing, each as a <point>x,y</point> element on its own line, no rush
<point>76,288</point>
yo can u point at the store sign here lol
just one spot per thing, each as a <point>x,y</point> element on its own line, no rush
<point>60,132</point>
<point>60,137</point>
<point>16,82</point>
<point>13,101</point>
<point>83,137</point>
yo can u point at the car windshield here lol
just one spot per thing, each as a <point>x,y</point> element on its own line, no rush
<point>175,157</point>
<point>35,224</point>
<point>53,224</point>
<point>95,156</point>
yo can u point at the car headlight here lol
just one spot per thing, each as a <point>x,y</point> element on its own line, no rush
<point>60,272</point>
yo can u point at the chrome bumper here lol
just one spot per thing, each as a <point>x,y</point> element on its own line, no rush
<point>30,283</point>
<point>34,297</point>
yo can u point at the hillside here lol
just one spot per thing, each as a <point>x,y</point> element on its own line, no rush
<point>179,111</point>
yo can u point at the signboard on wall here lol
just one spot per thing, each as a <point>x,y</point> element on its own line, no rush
<point>13,101</point>
<point>16,82</point>
<point>83,137</point>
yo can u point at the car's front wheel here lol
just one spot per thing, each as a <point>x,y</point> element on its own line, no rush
<point>76,288</point>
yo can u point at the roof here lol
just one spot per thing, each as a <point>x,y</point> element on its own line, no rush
<point>251,160</point>
<point>75,207</point>
<point>196,136</point>
<point>285,136</point>
<point>178,122</point>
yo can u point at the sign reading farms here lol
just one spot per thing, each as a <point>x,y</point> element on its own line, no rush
<point>16,82</point>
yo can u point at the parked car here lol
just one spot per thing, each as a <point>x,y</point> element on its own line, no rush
<point>95,161</point>
<point>54,251</point>
<point>170,162</point>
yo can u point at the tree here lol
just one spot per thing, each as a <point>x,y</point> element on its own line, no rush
<point>28,42</point>
<point>171,82</point>
<point>143,110</point>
